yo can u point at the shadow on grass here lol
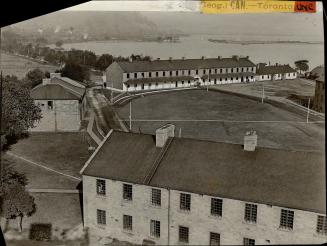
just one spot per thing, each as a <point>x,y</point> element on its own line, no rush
<point>40,232</point>
<point>12,139</point>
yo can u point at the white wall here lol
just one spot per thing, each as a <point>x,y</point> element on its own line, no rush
<point>231,226</point>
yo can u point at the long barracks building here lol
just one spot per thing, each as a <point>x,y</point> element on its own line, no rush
<point>178,73</point>
<point>164,190</point>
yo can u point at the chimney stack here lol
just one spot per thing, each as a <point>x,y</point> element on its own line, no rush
<point>219,57</point>
<point>158,59</point>
<point>46,81</point>
<point>53,75</point>
<point>170,58</point>
<point>250,140</point>
<point>236,58</point>
<point>163,133</point>
<point>183,57</point>
<point>203,57</point>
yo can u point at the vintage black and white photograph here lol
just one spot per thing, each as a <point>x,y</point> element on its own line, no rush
<point>164,123</point>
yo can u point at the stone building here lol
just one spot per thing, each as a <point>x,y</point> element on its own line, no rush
<point>179,73</point>
<point>275,72</point>
<point>319,98</point>
<point>62,103</point>
<point>175,191</point>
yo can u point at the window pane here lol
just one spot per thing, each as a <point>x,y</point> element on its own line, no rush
<point>128,222</point>
<point>322,224</point>
<point>250,214</point>
<point>101,186</point>
<point>214,238</point>
<point>185,201</point>
<point>216,206</point>
<point>248,241</point>
<point>155,228</point>
<point>127,192</point>
<point>183,234</point>
<point>156,197</point>
<point>286,219</point>
<point>101,217</point>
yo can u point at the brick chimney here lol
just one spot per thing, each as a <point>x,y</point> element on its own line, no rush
<point>250,140</point>
<point>236,58</point>
<point>219,57</point>
<point>203,57</point>
<point>170,58</point>
<point>46,81</point>
<point>163,133</point>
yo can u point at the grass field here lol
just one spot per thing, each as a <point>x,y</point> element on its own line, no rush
<point>19,66</point>
<point>222,117</point>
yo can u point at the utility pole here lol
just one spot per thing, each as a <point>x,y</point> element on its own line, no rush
<point>1,92</point>
<point>130,115</point>
<point>263,92</point>
<point>208,81</point>
<point>308,112</point>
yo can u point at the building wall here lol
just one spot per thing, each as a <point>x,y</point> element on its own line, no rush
<point>64,116</point>
<point>319,98</point>
<point>114,76</point>
<point>231,226</point>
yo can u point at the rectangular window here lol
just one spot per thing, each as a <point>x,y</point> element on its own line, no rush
<point>163,73</point>
<point>185,201</point>
<point>157,74</point>
<point>221,70</point>
<point>171,73</point>
<point>135,75</point>
<point>286,219</point>
<point>189,72</point>
<point>214,238</point>
<point>248,241</point>
<point>204,71</point>
<point>101,187</point>
<point>183,234</point>
<point>183,72</point>
<point>127,222</point>
<point>150,74</point>
<point>156,197</point>
<point>155,228</point>
<point>101,217</point>
<point>216,207</point>
<point>176,73</point>
<point>250,214</point>
<point>127,75</point>
<point>50,105</point>
<point>142,75</point>
<point>322,224</point>
<point>196,72</point>
<point>127,192</point>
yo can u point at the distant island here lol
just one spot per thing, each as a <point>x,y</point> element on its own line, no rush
<point>225,41</point>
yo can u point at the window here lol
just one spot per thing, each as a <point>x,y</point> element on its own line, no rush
<point>183,72</point>
<point>155,228</point>
<point>150,74</point>
<point>101,217</point>
<point>127,192</point>
<point>176,73</point>
<point>185,201</point>
<point>127,75</point>
<point>127,222</point>
<point>250,214</point>
<point>196,72</point>
<point>183,234</point>
<point>127,86</point>
<point>214,238</point>
<point>286,219</point>
<point>135,75</point>
<point>204,71</point>
<point>248,241</point>
<point>216,206</point>
<point>157,74</point>
<point>101,187</point>
<point>142,75</point>
<point>189,72</point>
<point>171,73</point>
<point>221,70</point>
<point>163,73</point>
<point>156,197</point>
<point>50,105</point>
<point>322,224</point>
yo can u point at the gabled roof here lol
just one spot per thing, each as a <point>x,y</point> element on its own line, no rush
<point>53,92</point>
<point>184,64</point>
<point>275,69</point>
<point>59,88</point>
<point>291,179</point>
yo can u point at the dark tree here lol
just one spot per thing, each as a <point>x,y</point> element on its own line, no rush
<point>104,61</point>
<point>302,65</point>
<point>59,43</point>
<point>19,113</point>
<point>35,77</point>
<point>75,71</point>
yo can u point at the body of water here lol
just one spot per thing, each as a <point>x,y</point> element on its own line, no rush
<point>195,46</point>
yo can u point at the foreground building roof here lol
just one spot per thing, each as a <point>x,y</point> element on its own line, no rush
<point>58,88</point>
<point>292,179</point>
<point>275,69</point>
<point>184,64</point>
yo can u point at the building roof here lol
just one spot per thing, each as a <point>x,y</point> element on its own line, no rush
<point>58,88</point>
<point>184,64</point>
<point>291,179</point>
<point>275,69</point>
<point>318,71</point>
<point>54,92</point>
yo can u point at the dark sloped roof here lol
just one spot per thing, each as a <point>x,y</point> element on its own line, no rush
<point>275,69</point>
<point>291,179</point>
<point>186,64</point>
<point>54,92</point>
<point>70,84</point>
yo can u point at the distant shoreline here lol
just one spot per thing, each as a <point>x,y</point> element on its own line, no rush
<point>224,41</point>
